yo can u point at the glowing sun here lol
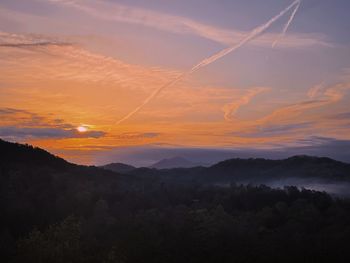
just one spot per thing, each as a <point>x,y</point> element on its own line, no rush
<point>82,129</point>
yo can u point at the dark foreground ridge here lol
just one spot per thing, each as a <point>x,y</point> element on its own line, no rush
<point>27,154</point>
<point>55,211</point>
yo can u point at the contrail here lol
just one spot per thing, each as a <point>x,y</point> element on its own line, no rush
<point>287,25</point>
<point>254,33</point>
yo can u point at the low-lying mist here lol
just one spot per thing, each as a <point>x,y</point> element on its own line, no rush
<point>337,189</point>
<point>340,189</point>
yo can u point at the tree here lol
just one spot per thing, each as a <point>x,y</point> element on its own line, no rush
<point>60,243</point>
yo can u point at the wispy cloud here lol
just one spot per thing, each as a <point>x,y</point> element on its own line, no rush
<point>274,130</point>
<point>136,135</point>
<point>294,120</point>
<point>211,59</point>
<point>128,84</point>
<point>331,95</point>
<point>125,82</point>
<point>29,40</point>
<point>315,90</point>
<point>24,133</point>
<point>340,116</point>
<point>231,108</point>
<point>181,25</point>
<point>58,60</point>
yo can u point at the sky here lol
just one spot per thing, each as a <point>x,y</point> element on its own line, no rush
<point>99,81</point>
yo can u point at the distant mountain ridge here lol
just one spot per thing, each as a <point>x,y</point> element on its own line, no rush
<point>118,167</point>
<point>300,166</point>
<point>258,171</point>
<point>175,162</point>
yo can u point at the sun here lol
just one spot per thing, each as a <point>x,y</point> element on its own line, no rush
<point>82,129</point>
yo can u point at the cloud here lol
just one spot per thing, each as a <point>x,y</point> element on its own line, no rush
<point>12,116</point>
<point>315,90</point>
<point>331,95</point>
<point>231,108</point>
<point>340,116</point>
<point>297,119</point>
<point>191,104</point>
<point>29,40</point>
<point>136,135</point>
<point>274,130</point>
<point>277,129</point>
<point>181,25</point>
<point>68,70</point>
<point>11,111</point>
<point>58,60</point>
<point>127,84</point>
<point>194,111</point>
<point>211,59</point>
<point>26,45</point>
<point>19,124</point>
<point>22,133</point>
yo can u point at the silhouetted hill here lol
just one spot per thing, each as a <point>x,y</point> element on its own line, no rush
<point>232,170</point>
<point>24,159</point>
<point>318,173</point>
<point>118,167</point>
<point>12,153</point>
<point>260,170</point>
<point>175,162</point>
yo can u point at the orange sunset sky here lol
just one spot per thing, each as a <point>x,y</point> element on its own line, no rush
<point>71,70</point>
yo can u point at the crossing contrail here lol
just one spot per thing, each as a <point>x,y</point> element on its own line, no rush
<point>287,25</point>
<point>254,33</point>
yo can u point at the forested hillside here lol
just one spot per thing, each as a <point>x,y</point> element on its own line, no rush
<point>54,211</point>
